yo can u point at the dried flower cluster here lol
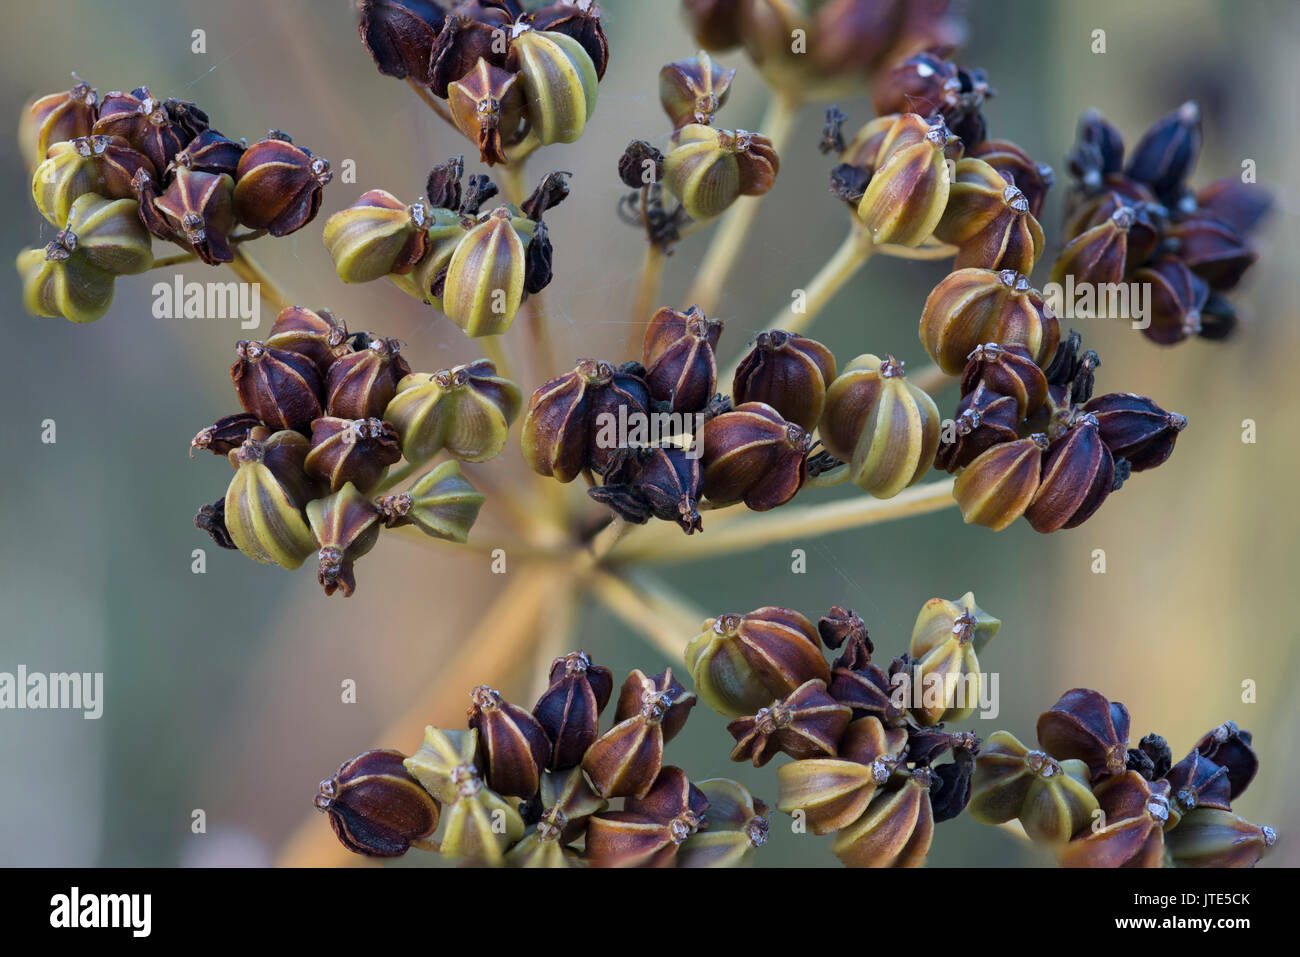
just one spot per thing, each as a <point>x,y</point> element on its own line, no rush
<point>326,414</point>
<point>110,175</point>
<point>546,788</point>
<point>1140,221</point>
<point>1094,801</point>
<point>866,741</point>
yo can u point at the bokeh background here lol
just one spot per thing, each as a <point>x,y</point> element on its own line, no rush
<point>223,689</point>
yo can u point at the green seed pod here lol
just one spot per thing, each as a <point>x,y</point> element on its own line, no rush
<point>946,665</point>
<point>88,164</point>
<point>971,307</point>
<point>707,170</point>
<point>375,236</point>
<point>883,426</point>
<point>487,105</point>
<point>997,487</point>
<point>559,82</point>
<point>428,280</point>
<point>346,525</point>
<point>1211,837</point>
<point>567,801</point>
<point>466,410</point>
<point>485,275</point>
<point>909,188</point>
<point>436,765</point>
<point>375,806</point>
<point>442,504</point>
<point>740,663</point>
<point>108,233</point>
<point>734,825</point>
<point>265,499</point>
<point>55,118</point>
<point>940,618</point>
<point>832,793</point>
<point>1051,798</point>
<point>56,282</point>
<point>894,831</point>
<point>480,825</point>
<point>692,90</point>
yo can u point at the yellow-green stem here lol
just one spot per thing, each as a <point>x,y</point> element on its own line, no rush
<point>646,300</point>
<point>249,271</point>
<point>737,225</point>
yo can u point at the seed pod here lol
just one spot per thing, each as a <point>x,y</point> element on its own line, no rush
<point>883,426</point>
<point>1098,255</point>
<point>281,388</point>
<point>707,170</point>
<point>567,802</point>
<point>640,165</point>
<point>858,160</point>
<point>485,275</point>
<point>807,723</point>
<point>561,433</point>
<point>1006,370</point>
<point>480,825</point>
<point>465,410</point>
<point>681,368</point>
<point>1135,428</point>
<point>984,419</point>
<point>1211,837</point>
<point>400,35</point>
<point>514,743</point>
<point>210,152</point>
<point>569,710</point>
<point>970,307</point>
<point>989,219</point>
<point>626,759</point>
<point>1196,781</point>
<point>842,624</point>
<point>663,482</point>
<point>1085,725</point>
<point>144,123</point>
<point>753,455</point>
<point>1098,150</point>
<point>864,687</point>
<point>56,282</point>
<point>226,434</point>
<point>941,620</point>
<point>443,759</point>
<point>487,105</point>
<point>346,525</point>
<point>1051,798</point>
<point>104,165</point>
<point>734,825</point>
<point>832,793</point>
<point>442,504</point>
<point>740,663</point>
<point>278,185</point>
<point>317,335</point>
<point>351,451</point>
<point>197,212</point>
<point>1230,747</point>
<point>559,83</point>
<point>1216,253</point>
<point>56,118</point>
<point>651,828</point>
<point>427,280</point>
<point>894,831</point>
<point>1078,473</point>
<point>943,646</point>
<point>376,807</point>
<point>108,234</point>
<point>923,83</point>
<point>995,489</point>
<point>1136,811</point>
<point>1167,152</point>
<point>788,372</point>
<point>1239,206</point>
<point>909,189</point>
<point>1014,165</point>
<point>360,384</point>
<point>265,499</point>
<point>581,21</point>
<point>693,90</point>
<point>375,236</point>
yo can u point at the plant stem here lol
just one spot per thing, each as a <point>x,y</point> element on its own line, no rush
<point>494,350</point>
<point>830,478</point>
<point>666,620</point>
<point>843,265</point>
<point>747,532</point>
<point>932,252</point>
<point>737,224</point>
<point>932,379</point>
<point>397,476</point>
<point>249,271</point>
<point>177,260</point>
<point>646,299</point>
<point>431,101</point>
<point>490,654</point>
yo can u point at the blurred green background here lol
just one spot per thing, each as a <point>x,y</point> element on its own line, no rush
<point>223,689</point>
